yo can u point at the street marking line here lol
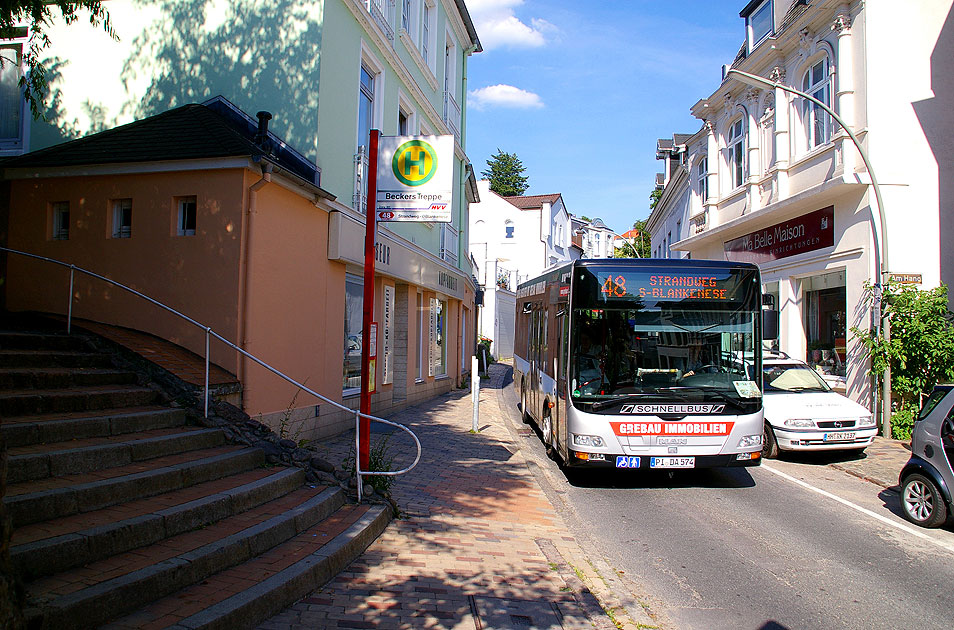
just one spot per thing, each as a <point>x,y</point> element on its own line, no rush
<point>875,515</point>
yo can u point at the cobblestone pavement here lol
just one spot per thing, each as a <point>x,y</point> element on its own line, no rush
<point>477,545</point>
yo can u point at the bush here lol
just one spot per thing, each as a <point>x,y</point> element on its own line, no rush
<point>902,422</point>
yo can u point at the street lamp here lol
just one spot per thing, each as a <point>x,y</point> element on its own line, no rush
<point>881,253</point>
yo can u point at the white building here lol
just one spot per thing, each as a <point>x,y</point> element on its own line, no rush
<point>669,221</point>
<point>513,239</point>
<point>596,239</point>
<point>772,179</point>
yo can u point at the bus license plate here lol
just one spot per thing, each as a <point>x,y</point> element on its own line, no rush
<point>672,462</point>
<point>839,437</point>
<point>625,461</point>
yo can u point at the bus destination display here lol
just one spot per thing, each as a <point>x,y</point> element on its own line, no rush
<point>667,286</point>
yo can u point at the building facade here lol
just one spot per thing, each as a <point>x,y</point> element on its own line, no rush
<point>772,179</point>
<point>513,239</point>
<point>329,72</point>
<point>596,239</point>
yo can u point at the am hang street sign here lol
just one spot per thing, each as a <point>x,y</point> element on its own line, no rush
<point>415,178</point>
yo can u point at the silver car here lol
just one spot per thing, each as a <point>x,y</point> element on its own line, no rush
<point>927,478</point>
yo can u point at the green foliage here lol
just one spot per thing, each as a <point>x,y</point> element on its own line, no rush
<point>38,15</point>
<point>638,247</point>
<point>380,459</point>
<point>506,174</point>
<point>654,197</point>
<point>902,422</point>
<point>921,346</point>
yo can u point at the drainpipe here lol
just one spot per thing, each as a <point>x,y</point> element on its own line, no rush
<point>252,210</point>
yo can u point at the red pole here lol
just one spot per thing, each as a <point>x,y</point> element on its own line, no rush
<point>364,426</point>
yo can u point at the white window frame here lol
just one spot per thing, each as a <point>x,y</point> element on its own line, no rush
<point>750,34</point>
<point>702,179</point>
<point>406,106</point>
<point>182,225</point>
<point>809,112</point>
<point>420,354</point>
<point>427,32</point>
<point>354,280</point>
<point>60,220</point>
<point>370,64</point>
<point>121,207</point>
<point>14,69</point>
<point>735,153</point>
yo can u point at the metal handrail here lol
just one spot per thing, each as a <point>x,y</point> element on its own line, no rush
<point>211,333</point>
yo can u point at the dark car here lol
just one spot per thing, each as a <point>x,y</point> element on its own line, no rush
<point>927,479</point>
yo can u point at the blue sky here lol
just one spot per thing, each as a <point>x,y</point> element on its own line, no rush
<point>580,91</point>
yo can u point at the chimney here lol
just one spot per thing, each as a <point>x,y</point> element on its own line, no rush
<point>261,136</point>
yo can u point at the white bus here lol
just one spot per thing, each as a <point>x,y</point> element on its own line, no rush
<point>644,363</point>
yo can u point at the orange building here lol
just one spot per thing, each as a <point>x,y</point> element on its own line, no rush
<point>204,210</point>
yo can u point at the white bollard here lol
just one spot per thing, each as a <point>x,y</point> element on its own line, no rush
<point>474,388</point>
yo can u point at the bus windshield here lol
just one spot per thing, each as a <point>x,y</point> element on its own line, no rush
<point>690,337</point>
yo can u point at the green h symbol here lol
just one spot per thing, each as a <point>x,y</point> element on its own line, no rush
<point>419,162</point>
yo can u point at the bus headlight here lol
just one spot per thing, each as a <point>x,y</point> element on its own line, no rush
<point>748,441</point>
<point>800,423</point>
<point>587,440</point>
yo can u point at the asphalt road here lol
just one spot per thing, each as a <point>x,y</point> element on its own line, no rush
<point>793,544</point>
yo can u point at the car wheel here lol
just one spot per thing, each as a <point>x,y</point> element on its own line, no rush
<point>922,502</point>
<point>769,443</point>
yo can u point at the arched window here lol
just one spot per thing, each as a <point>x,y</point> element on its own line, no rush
<point>735,154</point>
<point>816,121</point>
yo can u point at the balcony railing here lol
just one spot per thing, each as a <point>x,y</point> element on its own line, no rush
<point>452,115</point>
<point>383,12</point>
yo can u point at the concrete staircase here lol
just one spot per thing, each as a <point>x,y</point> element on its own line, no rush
<point>125,516</point>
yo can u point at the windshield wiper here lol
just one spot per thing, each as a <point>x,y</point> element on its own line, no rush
<point>720,395</point>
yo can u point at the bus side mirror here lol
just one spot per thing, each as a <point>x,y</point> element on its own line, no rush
<point>527,307</point>
<point>769,324</point>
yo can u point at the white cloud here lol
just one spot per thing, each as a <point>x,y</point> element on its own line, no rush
<point>503,96</point>
<point>498,27</point>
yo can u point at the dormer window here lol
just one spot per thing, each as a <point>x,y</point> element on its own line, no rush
<point>759,22</point>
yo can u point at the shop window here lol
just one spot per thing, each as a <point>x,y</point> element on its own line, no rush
<point>353,315</point>
<point>438,338</point>
<point>418,353</point>
<point>826,322</point>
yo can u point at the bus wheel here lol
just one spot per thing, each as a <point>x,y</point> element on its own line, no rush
<point>523,403</point>
<point>769,443</point>
<point>546,433</point>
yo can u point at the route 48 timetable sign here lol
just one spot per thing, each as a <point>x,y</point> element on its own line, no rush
<point>415,178</point>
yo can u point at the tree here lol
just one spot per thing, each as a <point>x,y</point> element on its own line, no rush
<point>637,247</point>
<point>654,197</point>
<point>920,350</point>
<point>505,172</point>
<point>38,15</point>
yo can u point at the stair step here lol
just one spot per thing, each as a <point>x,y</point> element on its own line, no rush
<point>13,340</point>
<point>248,594</point>
<point>39,500</point>
<point>59,427</point>
<point>45,548</point>
<point>52,358</point>
<point>38,461</point>
<point>92,595</point>
<point>61,378</point>
<point>31,402</point>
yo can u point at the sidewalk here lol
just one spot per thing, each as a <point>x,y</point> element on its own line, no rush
<point>477,545</point>
<point>882,465</point>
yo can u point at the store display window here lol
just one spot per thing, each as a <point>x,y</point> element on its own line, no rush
<point>826,322</point>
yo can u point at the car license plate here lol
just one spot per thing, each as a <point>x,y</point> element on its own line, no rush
<point>672,462</point>
<point>626,461</point>
<point>839,437</point>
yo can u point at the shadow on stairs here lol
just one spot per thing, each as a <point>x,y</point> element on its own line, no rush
<point>127,515</point>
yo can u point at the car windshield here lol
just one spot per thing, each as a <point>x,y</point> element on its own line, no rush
<point>792,377</point>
